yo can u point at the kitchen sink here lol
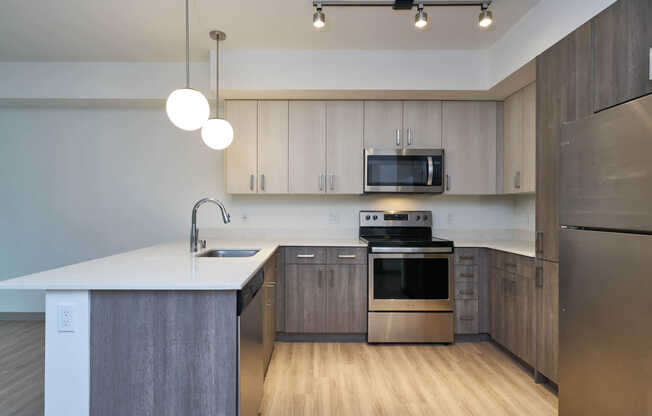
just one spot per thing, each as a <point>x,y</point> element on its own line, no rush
<point>228,253</point>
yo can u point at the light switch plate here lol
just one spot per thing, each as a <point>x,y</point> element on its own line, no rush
<point>65,318</point>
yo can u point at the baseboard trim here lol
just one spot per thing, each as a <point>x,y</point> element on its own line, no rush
<point>22,316</point>
<point>292,337</point>
<point>472,337</point>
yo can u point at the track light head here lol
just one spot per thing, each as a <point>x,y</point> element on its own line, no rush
<point>318,19</point>
<point>486,18</point>
<point>421,18</point>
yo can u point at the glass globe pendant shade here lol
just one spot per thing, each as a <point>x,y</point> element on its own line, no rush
<point>217,133</point>
<point>187,109</point>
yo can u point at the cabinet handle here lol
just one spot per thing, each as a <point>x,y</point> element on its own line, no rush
<point>251,182</point>
<point>466,292</point>
<point>466,318</point>
<point>270,284</point>
<point>262,181</point>
<point>539,243</point>
<point>409,138</point>
<point>538,281</point>
<point>448,182</point>
<point>305,256</point>
<point>467,275</point>
<point>332,181</point>
<point>346,256</point>
<point>321,182</point>
<point>398,137</point>
<point>517,180</point>
<point>467,257</point>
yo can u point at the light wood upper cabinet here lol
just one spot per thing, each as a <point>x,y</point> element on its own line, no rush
<point>519,156</point>
<point>240,159</point>
<point>383,124</point>
<point>273,147</point>
<point>344,154</point>
<point>469,141</point>
<point>422,124</point>
<point>307,147</point>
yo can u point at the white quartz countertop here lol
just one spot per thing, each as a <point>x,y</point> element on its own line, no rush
<point>172,267</point>
<point>165,267</point>
<point>522,248</point>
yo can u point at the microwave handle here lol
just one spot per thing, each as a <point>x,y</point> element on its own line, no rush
<point>430,171</point>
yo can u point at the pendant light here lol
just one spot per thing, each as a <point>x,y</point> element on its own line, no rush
<point>217,133</point>
<point>187,108</point>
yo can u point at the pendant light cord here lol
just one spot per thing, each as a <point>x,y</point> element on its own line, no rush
<point>187,48</point>
<point>217,77</point>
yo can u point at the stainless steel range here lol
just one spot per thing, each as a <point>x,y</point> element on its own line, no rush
<point>410,278</point>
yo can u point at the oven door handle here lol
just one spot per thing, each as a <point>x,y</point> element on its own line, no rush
<point>412,250</point>
<point>431,170</point>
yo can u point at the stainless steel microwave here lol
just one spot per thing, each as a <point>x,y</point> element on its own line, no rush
<point>404,170</point>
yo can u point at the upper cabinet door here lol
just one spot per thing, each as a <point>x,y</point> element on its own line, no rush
<point>622,38</point>
<point>383,124</point>
<point>307,147</point>
<point>469,139</point>
<point>422,124</point>
<point>529,139</point>
<point>513,143</point>
<point>240,158</point>
<point>344,153</point>
<point>273,131</point>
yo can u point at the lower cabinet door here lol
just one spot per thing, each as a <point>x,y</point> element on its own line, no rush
<point>496,305</point>
<point>346,299</point>
<point>525,320</point>
<point>548,322</point>
<point>466,316</point>
<point>509,311</point>
<point>305,298</point>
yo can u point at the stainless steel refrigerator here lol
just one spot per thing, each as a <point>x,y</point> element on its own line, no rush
<point>605,266</point>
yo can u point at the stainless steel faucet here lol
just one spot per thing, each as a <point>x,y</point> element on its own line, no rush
<point>194,232</point>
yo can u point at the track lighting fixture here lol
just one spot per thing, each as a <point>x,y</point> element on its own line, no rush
<point>486,18</point>
<point>421,18</point>
<point>318,19</point>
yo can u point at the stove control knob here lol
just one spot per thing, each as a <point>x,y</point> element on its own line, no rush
<point>425,218</point>
<point>419,217</point>
<point>375,217</point>
<point>368,217</point>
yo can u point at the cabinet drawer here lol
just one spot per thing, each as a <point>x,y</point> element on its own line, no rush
<point>466,317</point>
<point>466,256</point>
<point>305,255</point>
<point>347,255</point>
<point>466,273</point>
<point>467,289</point>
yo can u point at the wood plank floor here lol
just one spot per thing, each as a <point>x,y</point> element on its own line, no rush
<point>360,379</point>
<point>22,358</point>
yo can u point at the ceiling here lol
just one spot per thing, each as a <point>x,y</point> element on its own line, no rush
<point>148,30</point>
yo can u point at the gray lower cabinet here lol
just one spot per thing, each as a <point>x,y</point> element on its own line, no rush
<point>471,291</point>
<point>325,290</point>
<point>269,307</point>
<point>305,298</point>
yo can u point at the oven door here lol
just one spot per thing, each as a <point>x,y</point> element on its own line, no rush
<point>411,282</point>
<point>404,170</point>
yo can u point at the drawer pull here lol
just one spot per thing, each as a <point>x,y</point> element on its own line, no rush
<point>467,275</point>
<point>346,256</point>
<point>466,292</point>
<point>467,257</point>
<point>270,284</point>
<point>305,256</point>
<point>466,318</point>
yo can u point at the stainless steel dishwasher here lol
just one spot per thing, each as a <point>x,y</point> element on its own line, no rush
<point>250,347</point>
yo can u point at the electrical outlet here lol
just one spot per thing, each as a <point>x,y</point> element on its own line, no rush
<point>65,318</point>
<point>333,218</point>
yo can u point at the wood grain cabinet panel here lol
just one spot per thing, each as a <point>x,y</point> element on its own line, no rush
<point>519,145</point>
<point>346,307</point>
<point>525,319</point>
<point>563,94</point>
<point>497,305</point>
<point>307,147</point>
<point>422,124</point>
<point>469,141</point>
<point>547,332</point>
<point>273,147</point>
<point>344,154</point>
<point>269,308</point>
<point>622,40</point>
<point>305,255</point>
<point>305,298</point>
<point>347,255</point>
<point>241,157</point>
<point>466,316</point>
<point>383,124</point>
